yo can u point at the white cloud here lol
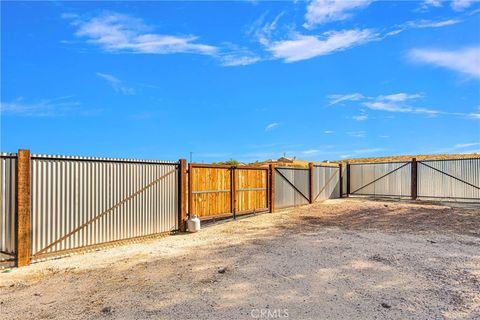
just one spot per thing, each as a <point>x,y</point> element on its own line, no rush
<point>57,107</point>
<point>271,126</point>
<point>122,33</point>
<point>323,11</point>
<point>328,132</point>
<point>400,97</point>
<point>116,84</point>
<point>302,47</point>
<point>465,61</point>
<point>432,24</point>
<point>459,5</point>
<point>432,3</point>
<point>337,98</point>
<point>310,152</point>
<point>466,145</point>
<point>357,134</point>
<point>361,117</point>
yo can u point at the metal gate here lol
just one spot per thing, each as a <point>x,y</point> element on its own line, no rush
<point>222,191</point>
<point>326,182</point>
<point>449,179</point>
<point>385,179</point>
<point>292,186</point>
<point>79,203</point>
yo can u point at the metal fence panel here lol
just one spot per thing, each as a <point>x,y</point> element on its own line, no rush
<point>8,165</point>
<point>326,182</point>
<point>449,179</point>
<point>381,179</point>
<point>285,194</point>
<point>71,195</point>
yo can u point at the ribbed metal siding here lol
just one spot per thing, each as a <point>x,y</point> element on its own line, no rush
<point>285,194</point>
<point>435,185</point>
<point>8,165</point>
<point>395,184</point>
<point>322,176</point>
<point>68,192</point>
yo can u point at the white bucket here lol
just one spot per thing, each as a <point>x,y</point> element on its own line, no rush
<point>193,224</point>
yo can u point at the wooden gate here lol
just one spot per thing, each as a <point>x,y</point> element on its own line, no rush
<point>222,191</point>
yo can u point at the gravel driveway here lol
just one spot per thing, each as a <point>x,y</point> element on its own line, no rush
<point>340,259</point>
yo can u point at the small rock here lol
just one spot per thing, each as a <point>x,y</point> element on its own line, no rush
<point>107,310</point>
<point>12,285</point>
<point>37,294</point>
<point>385,205</point>
<point>222,270</point>
<point>431,241</point>
<point>386,305</point>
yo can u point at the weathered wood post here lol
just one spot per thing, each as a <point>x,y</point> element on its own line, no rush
<point>414,179</point>
<point>182,195</point>
<point>310,182</point>
<point>340,181</point>
<point>23,210</point>
<point>271,197</point>
<point>348,179</point>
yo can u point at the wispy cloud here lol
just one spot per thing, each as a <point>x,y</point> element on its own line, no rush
<point>466,145</point>
<point>116,84</point>
<point>357,134</point>
<point>361,117</point>
<point>457,5</point>
<point>337,98</point>
<point>465,61</point>
<point>328,132</point>
<point>301,47</point>
<point>323,11</point>
<point>271,126</point>
<point>116,32</point>
<point>398,102</point>
<point>57,107</point>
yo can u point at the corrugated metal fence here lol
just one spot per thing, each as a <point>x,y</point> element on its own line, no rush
<point>8,164</point>
<point>81,202</point>
<point>291,186</point>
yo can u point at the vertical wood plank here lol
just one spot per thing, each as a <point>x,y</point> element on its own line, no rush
<point>310,183</point>
<point>271,187</point>
<point>232,191</point>
<point>23,231</point>
<point>414,179</point>
<point>182,195</point>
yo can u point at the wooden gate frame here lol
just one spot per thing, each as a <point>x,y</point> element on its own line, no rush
<point>233,212</point>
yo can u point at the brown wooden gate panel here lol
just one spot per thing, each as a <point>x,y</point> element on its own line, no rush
<point>251,186</point>
<point>217,191</point>
<point>210,190</point>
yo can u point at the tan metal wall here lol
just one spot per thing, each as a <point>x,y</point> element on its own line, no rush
<point>457,180</point>
<point>71,198</point>
<point>8,164</point>
<point>285,194</point>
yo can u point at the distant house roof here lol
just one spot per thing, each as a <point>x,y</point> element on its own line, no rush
<point>285,159</point>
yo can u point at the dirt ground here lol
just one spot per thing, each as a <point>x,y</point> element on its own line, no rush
<point>341,259</point>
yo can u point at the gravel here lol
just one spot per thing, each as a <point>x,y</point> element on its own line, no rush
<point>343,258</point>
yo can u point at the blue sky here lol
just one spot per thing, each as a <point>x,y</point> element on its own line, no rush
<point>246,80</point>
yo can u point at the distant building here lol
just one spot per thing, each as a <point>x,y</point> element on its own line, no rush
<point>286,160</point>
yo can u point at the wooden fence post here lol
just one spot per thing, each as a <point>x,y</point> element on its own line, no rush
<point>340,181</point>
<point>348,179</point>
<point>182,195</point>
<point>414,179</point>
<point>310,183</point>
<point>271,197</point>
<point>22,237</point>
